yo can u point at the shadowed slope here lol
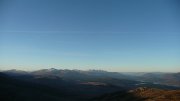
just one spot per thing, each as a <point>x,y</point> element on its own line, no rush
<point>16,90</point>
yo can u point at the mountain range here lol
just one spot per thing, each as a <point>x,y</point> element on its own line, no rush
<point>77,85</point>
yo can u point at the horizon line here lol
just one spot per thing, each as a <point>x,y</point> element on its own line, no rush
<point>91,70</point>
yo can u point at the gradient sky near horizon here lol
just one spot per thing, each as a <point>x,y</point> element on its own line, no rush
<point>113,35</point>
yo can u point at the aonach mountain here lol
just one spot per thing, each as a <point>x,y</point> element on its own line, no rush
<point>77,85</point>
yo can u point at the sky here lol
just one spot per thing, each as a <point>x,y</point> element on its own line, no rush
<point>113,35</point>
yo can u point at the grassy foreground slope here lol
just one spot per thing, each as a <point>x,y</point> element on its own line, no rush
<point>142,94</point>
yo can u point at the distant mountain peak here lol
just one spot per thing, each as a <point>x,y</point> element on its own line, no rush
<point>52,69</point>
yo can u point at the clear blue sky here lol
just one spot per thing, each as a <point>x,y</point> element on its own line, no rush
<point>114,35</point>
